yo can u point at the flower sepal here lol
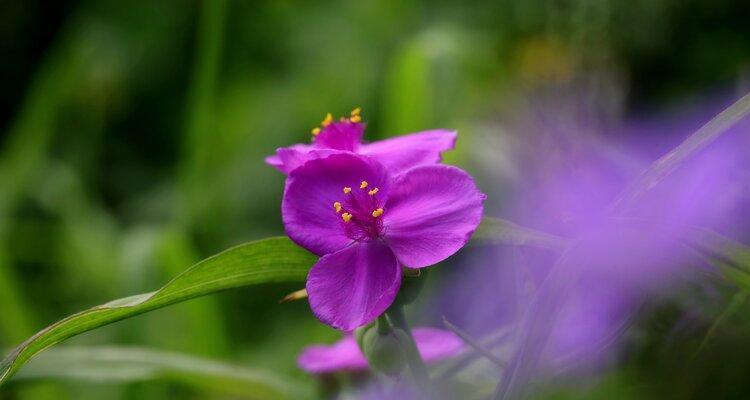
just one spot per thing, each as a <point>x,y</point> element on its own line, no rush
<point>411,285</point>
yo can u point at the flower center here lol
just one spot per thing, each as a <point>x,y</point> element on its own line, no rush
<point>360,210</point>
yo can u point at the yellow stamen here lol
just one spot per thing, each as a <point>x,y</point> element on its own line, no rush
<point>327,120</point>
<point>316,131</point>
<point>356,111</point>
<point>373,191</point>
<point>355,118</point>
<point>377,213</point>
<point>346,217</point>
<point>337,206</point>
<point>363,185</point>
<point>347,190</point>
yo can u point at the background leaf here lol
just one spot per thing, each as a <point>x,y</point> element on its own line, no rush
<point>135,364</point>
<point>269,260</point>
<point>499,231</point>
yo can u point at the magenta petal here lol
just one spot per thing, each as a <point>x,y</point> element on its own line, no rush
<point>343,355</point>
<point>294,157</point>
<point>307,207</point>
<point>437,344</point>
<point>431,213</point>
<point>341,135</point>
<point>403,152</point>
<point>352,287</point>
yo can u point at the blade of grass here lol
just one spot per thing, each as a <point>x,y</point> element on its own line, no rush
<point>669,162</point>
<point>121,364</point>
<point>478,347</point>
<point>499,231</point>
<point>269,260</point>
<point>200,134</point>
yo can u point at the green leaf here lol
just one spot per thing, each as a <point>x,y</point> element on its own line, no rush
<point>268,260</point>
<point>121,364</point>
<point>500,231</point>
<point>732,258</point>
<point>669,162</point>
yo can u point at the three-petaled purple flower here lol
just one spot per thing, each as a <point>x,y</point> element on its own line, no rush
<point>433,345</point>
<point>397,154</point>
<point>367,222</point>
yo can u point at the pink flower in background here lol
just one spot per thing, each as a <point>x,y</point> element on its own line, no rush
<point>397,154</point>
<point>366,224</point>
<point>433,344</point>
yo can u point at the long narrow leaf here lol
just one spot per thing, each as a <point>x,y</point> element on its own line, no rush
<point>499,231</point>
<point>120,364</point>
<point>669,162</point>
<point>269,260</point>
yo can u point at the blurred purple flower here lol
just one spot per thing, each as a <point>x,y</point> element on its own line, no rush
<point>397,154</point>
<point>567,310</point>
<point>433,344</point>
<point>367,223</point>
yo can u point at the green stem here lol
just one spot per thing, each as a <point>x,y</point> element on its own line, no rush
<point>383,326</point>
<point>413,358</point>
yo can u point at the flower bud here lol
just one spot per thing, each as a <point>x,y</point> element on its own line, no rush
<point>359,335</point>
<point>385,351</point>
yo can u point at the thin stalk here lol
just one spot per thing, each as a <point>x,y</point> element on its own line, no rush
<point>413,358</point>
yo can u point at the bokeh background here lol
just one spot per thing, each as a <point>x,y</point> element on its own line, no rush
<point>132,138</point>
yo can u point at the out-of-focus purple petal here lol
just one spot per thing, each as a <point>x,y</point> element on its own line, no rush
<point>342,135</point>
<point>353,286</point>
<point>404,152</point>
<point>437,344</point>
<point>343,355</point>
<point>307,207</point>
<point>431,213</point>
<point>433,344</point>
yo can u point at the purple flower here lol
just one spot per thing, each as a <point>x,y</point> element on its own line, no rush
<point>397,154</point>
<point>367,223</point>
<point>433,344</point>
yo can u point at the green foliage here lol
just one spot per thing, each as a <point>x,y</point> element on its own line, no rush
<point>269,260</point>
<point>127,364</point>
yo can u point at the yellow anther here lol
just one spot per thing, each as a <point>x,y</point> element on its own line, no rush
<point>337,206</point>
<point>356,111</point>
<point>355,118</point>
<point>327,120</point>
<point>377,213</point>
<point>373,191</point>
<point>347,190</point>
<point>316,131</point>
<point>346,217</point>
<point>363,185</point>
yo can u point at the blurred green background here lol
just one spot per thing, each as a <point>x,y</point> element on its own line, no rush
<point>132,136</point>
